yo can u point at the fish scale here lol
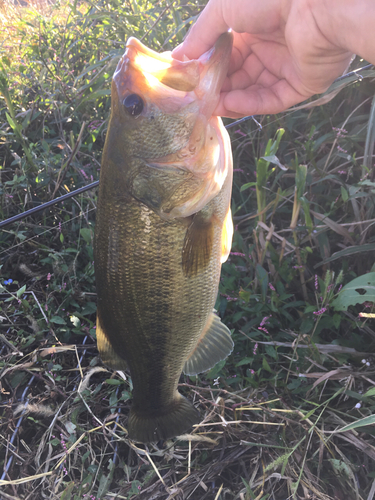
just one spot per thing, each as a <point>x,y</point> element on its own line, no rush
<point>157,275</point>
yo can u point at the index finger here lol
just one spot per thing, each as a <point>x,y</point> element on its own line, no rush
<point>203,34</point>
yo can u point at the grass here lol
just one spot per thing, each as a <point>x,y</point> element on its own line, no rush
<point>290,413</point>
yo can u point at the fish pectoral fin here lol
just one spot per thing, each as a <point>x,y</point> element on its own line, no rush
<point>198,243</point>
<point>107,352</point>
<point>214,345</point>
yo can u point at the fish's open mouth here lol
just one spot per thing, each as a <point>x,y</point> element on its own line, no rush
<point>175,74</point>
<point>203,76</point>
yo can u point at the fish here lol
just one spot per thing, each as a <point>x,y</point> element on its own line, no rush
<point>163,229</point>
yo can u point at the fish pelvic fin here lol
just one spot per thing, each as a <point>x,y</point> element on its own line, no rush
<point>107,352</point>
<point>176,419</point>
<point>214,344</point>
<point>198,244</point>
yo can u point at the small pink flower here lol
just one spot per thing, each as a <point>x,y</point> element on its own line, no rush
<point>263,329</point>
<point>263,322</point>
<point>320,312</point>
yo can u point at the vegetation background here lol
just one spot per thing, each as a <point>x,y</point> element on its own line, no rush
<point>290,413</point>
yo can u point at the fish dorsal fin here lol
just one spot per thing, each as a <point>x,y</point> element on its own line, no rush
<point>198,243</point>
<point>107,352</point>
<point>214,344</point>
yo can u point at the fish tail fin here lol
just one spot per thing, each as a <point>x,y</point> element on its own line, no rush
<point>176,419</point>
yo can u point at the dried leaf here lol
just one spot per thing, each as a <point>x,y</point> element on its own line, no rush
<point>338,228</point>
<point>56,349</point>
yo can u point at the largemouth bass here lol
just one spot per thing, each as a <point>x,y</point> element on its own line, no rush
<point>163,229</point>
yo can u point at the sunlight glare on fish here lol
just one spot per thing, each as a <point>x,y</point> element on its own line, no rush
<point>152,81</point>
<point>150,64</point>
<point>220,174</point>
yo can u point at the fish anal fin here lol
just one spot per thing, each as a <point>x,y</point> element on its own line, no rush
<point>106,350</point>
<point>151,427</point>
<point>226,236</point>
<point>198,243</point>
<point>214,344</point>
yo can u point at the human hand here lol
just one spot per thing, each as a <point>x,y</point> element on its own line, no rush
<point>284,51</point>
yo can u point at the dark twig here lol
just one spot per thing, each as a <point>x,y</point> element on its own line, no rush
<point>43,206</point>
<point>69,161</point>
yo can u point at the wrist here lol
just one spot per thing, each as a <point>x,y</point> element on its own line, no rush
<point>347,24</point>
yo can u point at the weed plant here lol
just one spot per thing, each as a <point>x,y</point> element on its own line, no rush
<point>290,413</point>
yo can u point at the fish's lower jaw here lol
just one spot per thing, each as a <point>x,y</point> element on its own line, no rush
<point>177,419</point>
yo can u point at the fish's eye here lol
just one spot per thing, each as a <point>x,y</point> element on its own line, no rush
<point>133,104</point>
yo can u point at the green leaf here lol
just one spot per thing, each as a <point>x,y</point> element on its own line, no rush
<point>271,351</point>
<point>245,361</point>
<point>21,291</point>
<point>247,185</point>
<point>67,493</point>
<point>358,291</point>
<point>359,423</point>
<point>113,402</point>
<point>58,320</point>
<point>136,487</point>
<point>113,381</point>
<point>308,414</point>
<point>306,210</point>
<point>105,481</point>
<point>93,96</point>
<point>13,124</point>
<point>17,379</point>
<point>344,194</point>
<point>368,247</point>
<point>301,173</point>
<point>262,276</point>
<point>216,369</point>
<point>266,366</point>
<point>86,234</point>
<point>90,308</point>
<point>274,159</point>
<point>245,295</point>
<point>341,467</point>
<point>370,392</point>
<point>336,320</point>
